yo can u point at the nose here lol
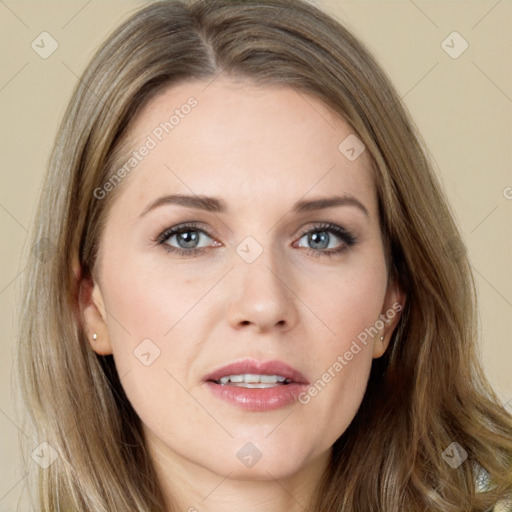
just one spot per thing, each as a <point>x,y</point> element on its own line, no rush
<point>262,294</point>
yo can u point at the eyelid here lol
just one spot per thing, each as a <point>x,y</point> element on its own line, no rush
<point>178,228</point>
<point>328,226</point>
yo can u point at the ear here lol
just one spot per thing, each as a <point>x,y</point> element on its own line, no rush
<point>93,313</point>
<point>394,303</point>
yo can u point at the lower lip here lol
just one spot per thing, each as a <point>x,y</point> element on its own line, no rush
<point>258,399</point>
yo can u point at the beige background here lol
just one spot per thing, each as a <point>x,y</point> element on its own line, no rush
<point>462,106</point>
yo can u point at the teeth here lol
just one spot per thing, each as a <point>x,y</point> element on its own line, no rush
<point>250,378</point>
<point>271,378</point>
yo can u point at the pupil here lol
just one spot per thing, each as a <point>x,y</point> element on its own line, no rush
<point>188,240</point>
<point>319,240</point>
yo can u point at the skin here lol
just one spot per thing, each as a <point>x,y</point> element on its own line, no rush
<point>260,149</point>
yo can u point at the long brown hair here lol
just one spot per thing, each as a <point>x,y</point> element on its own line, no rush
<point>426,392</point>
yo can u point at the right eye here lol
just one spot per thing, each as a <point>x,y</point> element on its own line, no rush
<point>183,239</point>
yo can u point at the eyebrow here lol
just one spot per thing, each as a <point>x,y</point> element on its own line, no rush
<point>217,205</point>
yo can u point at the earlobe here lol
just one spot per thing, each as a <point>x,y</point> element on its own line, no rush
<point>380,346</point>
<point>393,306</point>
<point>94,318</point>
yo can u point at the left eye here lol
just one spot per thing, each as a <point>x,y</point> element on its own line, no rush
<point>320,240</point>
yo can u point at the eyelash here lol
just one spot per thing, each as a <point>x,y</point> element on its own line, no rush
<point>348,238</point>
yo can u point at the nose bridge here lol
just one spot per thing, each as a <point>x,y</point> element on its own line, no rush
<point>259,266</point>
<point>263,296</point>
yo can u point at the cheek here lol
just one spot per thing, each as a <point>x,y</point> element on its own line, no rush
<point>350,300</point>
<point>152,340</point>
<point>343,367</point>
<point>149,313</point>
<point>149,299</point>
<point>350,307</point>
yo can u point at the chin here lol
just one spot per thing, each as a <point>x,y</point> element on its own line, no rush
<point>260,459</point>
<point>273,468</point>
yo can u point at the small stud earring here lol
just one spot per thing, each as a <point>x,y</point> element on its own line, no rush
<point>382,338</point>
<point>94,336</point>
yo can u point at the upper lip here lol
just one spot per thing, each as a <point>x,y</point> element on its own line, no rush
<point>254,367</point>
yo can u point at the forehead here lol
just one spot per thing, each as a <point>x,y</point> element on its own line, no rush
<point>244,142</point>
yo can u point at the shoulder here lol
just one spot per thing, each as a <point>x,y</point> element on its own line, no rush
<point>503,506</point>
<point>482,483</point>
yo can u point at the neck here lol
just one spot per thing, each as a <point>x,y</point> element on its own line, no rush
<point>192,487</point>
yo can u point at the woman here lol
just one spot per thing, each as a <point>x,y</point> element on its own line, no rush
<point>256,295</point>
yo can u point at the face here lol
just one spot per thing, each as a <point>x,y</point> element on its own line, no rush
<point>264,272</point>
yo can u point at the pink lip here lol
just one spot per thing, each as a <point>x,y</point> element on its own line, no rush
<point>254,399</point>
<point>274,367</point>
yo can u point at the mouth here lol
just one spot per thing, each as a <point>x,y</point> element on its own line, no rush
<point>257,386</point>
<point>254,374</point>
